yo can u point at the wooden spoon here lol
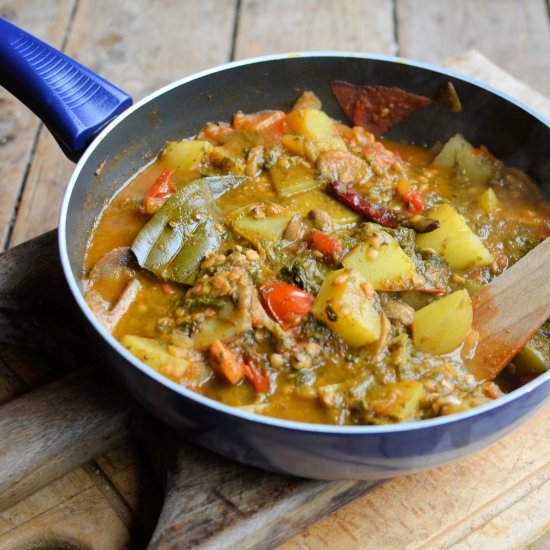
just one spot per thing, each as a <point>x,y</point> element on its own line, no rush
<point>509,310</point>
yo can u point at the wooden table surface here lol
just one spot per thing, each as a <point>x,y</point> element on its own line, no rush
<point>141,45</point>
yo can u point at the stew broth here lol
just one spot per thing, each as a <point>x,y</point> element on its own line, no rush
<point>252,282</point>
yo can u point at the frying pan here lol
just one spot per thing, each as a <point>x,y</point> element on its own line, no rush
<point>79,107</point>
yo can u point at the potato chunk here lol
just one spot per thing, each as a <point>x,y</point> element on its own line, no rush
<point>454,240</point>
<point>294,144</point>
<point>488,201</point>
<point>399,401</point>
<point>442,326</point>
<point>293,175</point>
<point>344,167</point>
<point>262,222</point>
<point>186,156</point>
<point>156,354</point>
<point>476,164</point>
<point>308,100</point>
<point>348,305</point>
<point>341,215</point>
<point>531,361</point>
<point>311,123</point>
<point>383,263</point>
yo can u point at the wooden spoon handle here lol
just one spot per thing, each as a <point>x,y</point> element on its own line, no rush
<point>509,310</point>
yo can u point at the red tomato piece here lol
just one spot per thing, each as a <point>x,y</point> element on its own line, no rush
<point>415,201</point>
<point>255,375</point>
<point>287,304</point>
<point>331,247</point>
<point>161,189</point>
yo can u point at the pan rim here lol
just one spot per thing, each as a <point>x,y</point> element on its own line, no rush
<point>273,422</point>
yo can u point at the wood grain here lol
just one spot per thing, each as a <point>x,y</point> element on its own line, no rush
<point>22,369</point>
<point>57,431</point>
<point>19,126</point>
<point>212,502</point>
<point>285,26</point>
<point>80,519</point>
<point>515,35</point>
<point>460,502</point>
<point>50,431</point>
<point>129,470</point>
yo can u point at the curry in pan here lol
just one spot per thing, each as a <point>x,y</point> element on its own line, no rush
<point>294,266</point>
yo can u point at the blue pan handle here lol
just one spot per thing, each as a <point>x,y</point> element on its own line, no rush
<point>72,101</point>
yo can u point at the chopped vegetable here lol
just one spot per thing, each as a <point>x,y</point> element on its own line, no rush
<point>287,304</point>
<point>229,323</point>
<point>534,358</point>
<point>488,201</point>
<point>448,97</point>
<point>176,239</point>
<point>319,200</point>
<point>110,317</point>
<point>293,175</point>
<point>382,262</point>
<point>313,148</point>
<point>256,376</point>
<point>454,240</point>
<point>415,201</point>
<point>530,361</point>
<point>186,156</point>
<point>308,100</point>
<point>112,286</point>
<point>261,222</point>
<point>305,272</point>
<point>180,364</point>
<point>442,326</point>
<point>457,153</point>
<point>399,401</point>
<point>219,185</point>
<point>158,193</point>
<point>329,246</point>
<point>343,167</point>
<point>311,123</point>
<point>294,144</point>
<point>226,362</point>
<point>348,305</point>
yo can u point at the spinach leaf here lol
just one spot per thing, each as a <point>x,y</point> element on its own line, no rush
<point>304,271</point>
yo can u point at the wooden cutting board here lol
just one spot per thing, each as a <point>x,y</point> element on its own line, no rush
<point>497,498</point>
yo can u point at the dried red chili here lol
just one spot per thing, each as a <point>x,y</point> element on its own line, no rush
<point>379,213</point>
